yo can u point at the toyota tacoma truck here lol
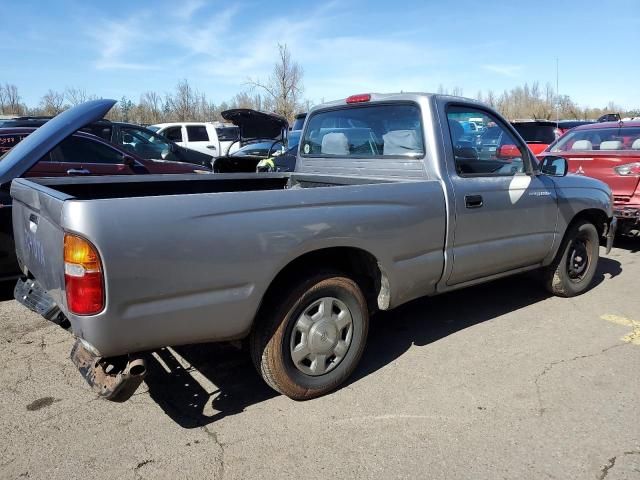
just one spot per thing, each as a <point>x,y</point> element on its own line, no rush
<point>389,202</point>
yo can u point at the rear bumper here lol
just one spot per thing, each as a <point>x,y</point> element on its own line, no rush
<point>627,213</point>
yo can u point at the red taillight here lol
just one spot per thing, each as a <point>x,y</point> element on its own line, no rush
<point>83,279</point>
<point>628,169</point>
<point>363,97</point>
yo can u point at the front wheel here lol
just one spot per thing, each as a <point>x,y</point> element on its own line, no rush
<point>574,267</point>
<point>309,343</point>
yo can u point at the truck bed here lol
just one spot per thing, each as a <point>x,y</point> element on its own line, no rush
<point>188,258</point>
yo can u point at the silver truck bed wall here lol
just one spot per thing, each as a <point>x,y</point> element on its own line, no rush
<point>192,268</point>
<point>37,216</point>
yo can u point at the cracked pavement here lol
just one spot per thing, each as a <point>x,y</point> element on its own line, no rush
<point>497,381</point>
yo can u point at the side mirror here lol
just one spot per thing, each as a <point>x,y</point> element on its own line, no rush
<point>506,152</point>
<point>554,166</point>
<point>127,138</point>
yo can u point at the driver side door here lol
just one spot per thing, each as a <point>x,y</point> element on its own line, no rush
<point>505,215</point>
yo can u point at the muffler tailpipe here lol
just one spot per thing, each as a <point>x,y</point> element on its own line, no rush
<point>115,379</point>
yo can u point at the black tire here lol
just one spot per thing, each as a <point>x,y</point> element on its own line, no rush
<point>567,276</point>
<point>271,340</point>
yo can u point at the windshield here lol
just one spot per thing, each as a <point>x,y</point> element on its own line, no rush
<point>259,149</point>
<point>595,139</point>
<point>365,131</point>
<point>533,133</point>
<point>228,134</point>
<point>293,139</point>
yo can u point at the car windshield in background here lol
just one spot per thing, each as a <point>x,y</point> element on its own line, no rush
<point>365,131</point>
<point>228,134</point>
<point>258,149</point>
<point>536,133</point>
<point>607,139</point>
<point>299,121</point>
<point>293,139</point>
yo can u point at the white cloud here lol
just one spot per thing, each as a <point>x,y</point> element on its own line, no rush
<point>506,70</point>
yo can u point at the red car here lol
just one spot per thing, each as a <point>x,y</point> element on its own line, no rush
<point>86,154</point>
<point>80,154</point>
<point>608,151</point>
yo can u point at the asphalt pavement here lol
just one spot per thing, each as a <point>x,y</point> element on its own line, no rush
<point>499,381</point>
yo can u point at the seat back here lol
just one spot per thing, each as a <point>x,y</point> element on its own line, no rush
<point>400,142</point>
<point>611,145</point>
<point>335,143</point>
<point>582,145</point>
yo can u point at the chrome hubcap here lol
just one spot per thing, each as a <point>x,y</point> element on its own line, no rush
<point>321,336</point>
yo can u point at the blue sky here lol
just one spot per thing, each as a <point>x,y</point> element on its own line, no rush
<point>118,48</point>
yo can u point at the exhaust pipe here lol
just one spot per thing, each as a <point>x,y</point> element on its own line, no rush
<point>115,379</point>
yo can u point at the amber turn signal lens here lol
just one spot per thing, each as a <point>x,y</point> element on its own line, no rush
<point>84,283</point>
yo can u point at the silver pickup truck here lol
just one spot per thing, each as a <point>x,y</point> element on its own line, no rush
<point>391,200</point>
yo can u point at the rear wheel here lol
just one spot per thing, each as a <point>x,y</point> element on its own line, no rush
<point>572,272</point>
<point>312,340</point>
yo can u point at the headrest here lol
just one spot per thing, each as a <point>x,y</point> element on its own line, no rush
<point>611,145</point>
<point>335,143</point>
<point>582,145</point>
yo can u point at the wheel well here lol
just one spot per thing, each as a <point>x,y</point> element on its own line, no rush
<point>595,216</point>
<point>356,263</point>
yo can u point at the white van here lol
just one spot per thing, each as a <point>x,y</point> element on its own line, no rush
<point>206,137</point>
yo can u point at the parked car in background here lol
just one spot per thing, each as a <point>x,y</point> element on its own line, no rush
<point>538,134</point>
<point>145,143</point>
<point>261,135</point>
<point>608,151</point>
<point>298,123</point>
<point>565,125</point>
<point>609,117</point>
<point>382,209</point>
<point>80,155</point>
<point>285,161</point>
<point>205,137</point>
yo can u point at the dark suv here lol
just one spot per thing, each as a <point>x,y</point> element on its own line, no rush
<point>143,142</point>
<point>538,134</point>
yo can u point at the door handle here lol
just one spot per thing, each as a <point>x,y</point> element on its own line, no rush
<point>78,171</point>
<point>473,201</point>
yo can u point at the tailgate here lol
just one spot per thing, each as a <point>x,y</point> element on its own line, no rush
<point>37,212</point>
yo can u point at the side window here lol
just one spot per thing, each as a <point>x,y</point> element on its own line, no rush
<point>83,150</point>
<point>197,133</point>
<point>173,133</point>
<point>489,151</point>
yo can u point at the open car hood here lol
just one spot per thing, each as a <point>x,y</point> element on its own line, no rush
<point>26,153</point>
<point>255,125</point>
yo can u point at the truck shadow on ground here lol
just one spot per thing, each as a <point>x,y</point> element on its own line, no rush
<point>196,385</point>
<point>631,243</point>
<point>6,290</point>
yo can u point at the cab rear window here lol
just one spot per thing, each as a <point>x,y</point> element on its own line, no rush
<point>365,131</point>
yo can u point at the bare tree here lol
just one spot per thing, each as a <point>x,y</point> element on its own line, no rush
<point>52,103</point>
<point>149,110</point>
<point>76,96</point>
<point>183,103</point>
<point>11,100</point>
<point>284,87</point>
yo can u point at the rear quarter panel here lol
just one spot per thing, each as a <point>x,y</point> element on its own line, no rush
<point>194,268</point>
